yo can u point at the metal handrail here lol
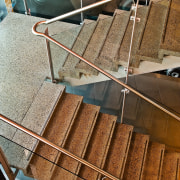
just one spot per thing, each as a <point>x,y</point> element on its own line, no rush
<point>96,67</point>
<point>44,140</point>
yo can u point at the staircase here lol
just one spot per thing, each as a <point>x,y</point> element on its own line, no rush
<point>105,42</point>
<point>96,137</point>
<point>81,128</point>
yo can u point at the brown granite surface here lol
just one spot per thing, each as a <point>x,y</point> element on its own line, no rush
<point>98,145</point>
<point>106,59</point>
<point>150,43</point>
<point>118,151</point>
<point>136,157</point>
<point>77,141</point>
<point>170,44</point>
<point>82,40</point>
<point>170,169</point>
<point>95,44</point>
<point>154,160</point>
<point>56,132</point>
<point>123,55</point>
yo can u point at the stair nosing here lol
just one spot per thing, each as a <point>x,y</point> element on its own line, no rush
<point>66,136</point>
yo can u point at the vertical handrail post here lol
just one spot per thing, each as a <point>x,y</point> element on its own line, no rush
<point>50,58</point>
<point>125,91</point>
<point>82,16</point>
<point>6,166</point>
<point>26,8</point>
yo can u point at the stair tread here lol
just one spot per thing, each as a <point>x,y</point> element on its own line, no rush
<point>136,157</point>
<point>153,163</point>
<point>77,141</point>
<point>171,165</point>
<point>150,42</point>
<point>95,44</point>
<point>106,59</point>
<point>56,132</point>
<point>36,119</point>
<point>142,13</point>
<point>170,44</point>
<point>58,55</point>
<point>118,150</point>
<point>98,145</point>
<point>79,47</point>
<point>111,6</point>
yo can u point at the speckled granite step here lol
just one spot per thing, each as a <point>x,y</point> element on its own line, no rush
<point>95,44</point>
<point>123,55</point>
<point>171,166</point>
<point>79,47</point>
<point>77,141</point>
<point>170,44</point>
<point>118,151</point>
<point>106,59</point>
<point>36,120</point>
<point>58,54</point>
<point>98,146</point>
<point>136,157</point>
<point>111,6</point>
<point>57,132</point>
<point>154,161</point>
<point>150,42</point>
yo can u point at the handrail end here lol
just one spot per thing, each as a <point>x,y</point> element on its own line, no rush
<point>34,31</point>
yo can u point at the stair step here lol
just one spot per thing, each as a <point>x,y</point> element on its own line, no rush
<point>154,160</point>
<point>170,44</point>
<point>79,47</point>
<point>77,141</point>
<point>98,146</point>
<point>36,120</point>
<point>57,132</point>
<point>117,154</point>
<point>150,42</point>
<point>111,6</point>
<point>106,59</point>
<point>58,54</point>
<point>142,13</point>
<point>136,157</point>
<point>171,166</point>
<point>96,42</point>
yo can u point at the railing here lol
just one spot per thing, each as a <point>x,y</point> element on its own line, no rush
<point>42,139</point>
<point>6,167</point>
<point>91,64</point>
<point>125,91</point>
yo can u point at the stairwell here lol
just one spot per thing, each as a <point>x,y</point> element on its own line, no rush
<point>81,128</point>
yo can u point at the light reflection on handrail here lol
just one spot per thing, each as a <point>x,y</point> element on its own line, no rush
<point>44,140</point>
